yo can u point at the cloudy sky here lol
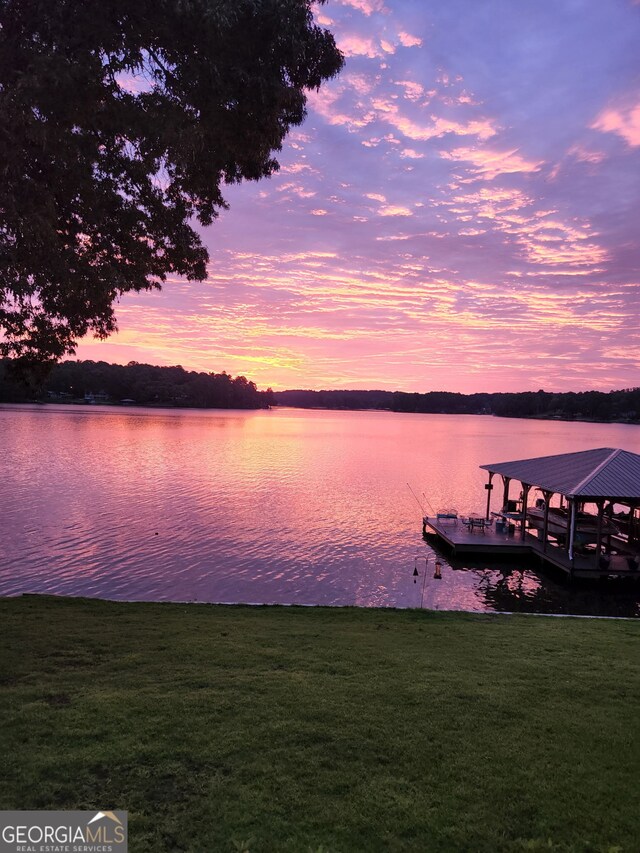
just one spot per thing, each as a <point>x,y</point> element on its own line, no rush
<point>459,211</point>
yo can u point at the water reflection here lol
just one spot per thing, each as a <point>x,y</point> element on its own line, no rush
<point>278,507</point>
<point>511,587</point>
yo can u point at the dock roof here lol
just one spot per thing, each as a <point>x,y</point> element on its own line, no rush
<point>605,472</point>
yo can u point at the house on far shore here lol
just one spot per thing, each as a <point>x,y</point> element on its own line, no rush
<point>100,397</point>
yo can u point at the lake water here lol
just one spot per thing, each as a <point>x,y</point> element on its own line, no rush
<point>285,506</point>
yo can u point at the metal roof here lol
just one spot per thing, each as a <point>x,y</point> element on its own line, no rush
<point>602,473</point>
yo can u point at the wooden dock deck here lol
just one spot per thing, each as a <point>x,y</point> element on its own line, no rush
<point>461,540</point>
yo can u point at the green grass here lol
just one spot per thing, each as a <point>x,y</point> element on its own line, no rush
<point>296,729</point>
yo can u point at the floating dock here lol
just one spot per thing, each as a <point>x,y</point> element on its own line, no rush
<point>461,540</point>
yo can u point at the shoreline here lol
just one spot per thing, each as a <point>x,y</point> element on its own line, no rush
<point>255,605</point>
<point>154,407</point>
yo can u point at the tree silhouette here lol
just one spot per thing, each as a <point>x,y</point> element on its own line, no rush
<point>120,123</point>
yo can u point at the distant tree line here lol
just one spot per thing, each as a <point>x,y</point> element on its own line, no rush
<point>145,384</point>
<point>623,405</point>
<point>336,399</point>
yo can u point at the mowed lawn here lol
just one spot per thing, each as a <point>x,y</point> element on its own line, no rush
<point>304,729</point>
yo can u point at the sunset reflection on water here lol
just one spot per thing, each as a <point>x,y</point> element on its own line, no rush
<point>284,506</point>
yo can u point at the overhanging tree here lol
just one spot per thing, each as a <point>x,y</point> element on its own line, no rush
<point>119,123</point>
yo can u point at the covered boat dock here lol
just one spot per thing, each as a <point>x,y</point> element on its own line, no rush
<point>584,520</point>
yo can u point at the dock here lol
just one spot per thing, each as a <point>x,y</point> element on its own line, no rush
<point>558,529</point>
<point>461,540</point>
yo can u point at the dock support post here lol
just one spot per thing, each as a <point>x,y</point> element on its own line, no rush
<point>545,524</point>
<point>489,487</point>
<point>610,514</point>
<point>525,498</point>
<point>600,505</point>
<point>505,494</point>
<point>632,529</point>
<point>572,528</point>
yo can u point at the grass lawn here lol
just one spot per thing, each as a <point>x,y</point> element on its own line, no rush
<point>297,729</point>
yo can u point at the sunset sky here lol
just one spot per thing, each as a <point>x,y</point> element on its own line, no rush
<point>460,211</point>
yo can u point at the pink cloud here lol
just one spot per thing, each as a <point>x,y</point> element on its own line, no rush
<point>624,121</point>
<point>367,7</point>
<point>299,136</point>
<point>390,112</point>
<point>490,198</point>
<point>296,189</point>
<point>584,156</point>
<point>578,154</point>
<point>459,100</point>
<point>483,129</point>
<point>412,91</point>
<point>384,106</point>
<point>295,168</point>
<point>361,83</point>
<point>352,44</point>
<point>324,101</point>
<point>407,40</point>
<point>488,164</point>
<point>394,210</point>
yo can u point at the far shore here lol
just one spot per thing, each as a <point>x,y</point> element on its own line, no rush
<point>133,404</point>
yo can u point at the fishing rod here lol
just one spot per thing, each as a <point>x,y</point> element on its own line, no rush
<point>428,503</point>
<point>416,500</point>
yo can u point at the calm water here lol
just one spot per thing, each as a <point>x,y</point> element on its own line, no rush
<point>285,506</point>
